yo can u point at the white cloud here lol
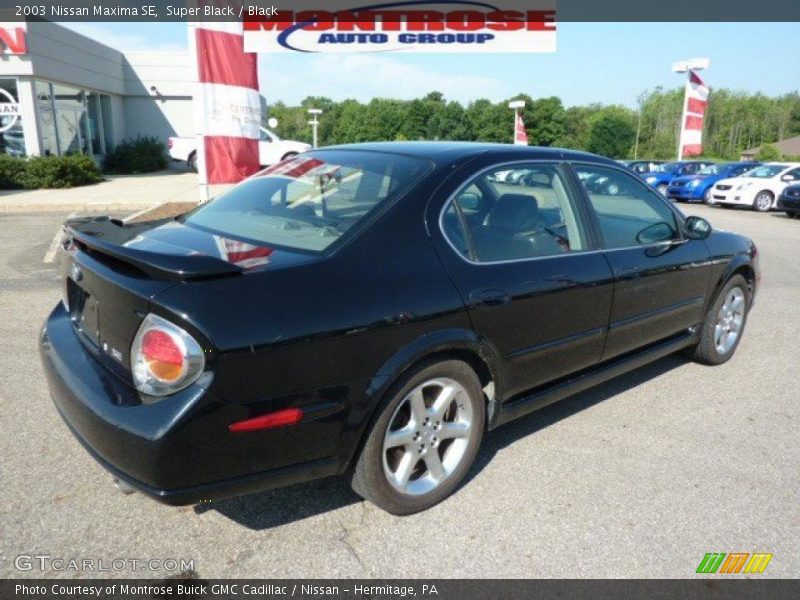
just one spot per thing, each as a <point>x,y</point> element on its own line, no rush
<point>125,42</point>
<point>364,76</point>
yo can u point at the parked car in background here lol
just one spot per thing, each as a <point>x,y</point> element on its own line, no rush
<point>789,201</point>
<point>642,166</point>
<point>372,310</point>
<point>697,188</point>
<point>758,189</point>
<point>663,174</point>
<point>271,149</point>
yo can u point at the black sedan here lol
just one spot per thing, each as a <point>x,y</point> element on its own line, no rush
<point>789,201</point>
<point>372,310</point>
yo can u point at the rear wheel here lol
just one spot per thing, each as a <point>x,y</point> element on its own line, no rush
<point>289,155</point>
<point>424,440</point>
<point>723,327</point>
<point>763,201</point>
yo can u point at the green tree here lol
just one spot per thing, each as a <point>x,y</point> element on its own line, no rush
<point>612,132</point>
<point>768,152</point>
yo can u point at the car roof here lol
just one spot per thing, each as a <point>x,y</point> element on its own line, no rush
<point>443,153</point>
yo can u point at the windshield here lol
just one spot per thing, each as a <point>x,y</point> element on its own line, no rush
<point>310,201</point>
<point>765,171</point>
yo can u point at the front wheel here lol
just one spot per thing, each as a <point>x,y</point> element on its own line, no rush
<point>424,440</point>
<point>722,330</point>
<point>763,201</point>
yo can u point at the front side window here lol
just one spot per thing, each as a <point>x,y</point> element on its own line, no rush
<point>490,220</point>
<point>628,212</point>
<point>766,171</point>
<point>311,201</point>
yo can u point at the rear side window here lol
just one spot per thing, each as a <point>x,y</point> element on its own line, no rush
<point>628,211</point>
<point>516,214</point>
<point>311,201</point>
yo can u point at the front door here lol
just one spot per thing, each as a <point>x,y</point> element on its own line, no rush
<point>522,258</point>
<point>661,277</point>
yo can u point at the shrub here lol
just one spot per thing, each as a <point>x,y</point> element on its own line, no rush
<point>768,152</point>
<point>12,170</point>
<point>66,171</point>
<point>141,155</point>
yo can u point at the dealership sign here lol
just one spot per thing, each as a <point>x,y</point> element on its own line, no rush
<point>12,40</point>
<point>410,26</point>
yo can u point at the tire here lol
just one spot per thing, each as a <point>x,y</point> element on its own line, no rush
<point>192,161</point>
<point>661,188</point>
<point>763,201</point>
<point>414,485</point>
<point>707,199</point>
<point>713,349</point>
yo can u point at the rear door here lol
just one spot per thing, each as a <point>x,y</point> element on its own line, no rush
<point>661,278</point>
<point>527,266</point>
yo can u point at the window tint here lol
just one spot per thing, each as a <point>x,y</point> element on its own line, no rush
<point>532,217</point>
<point>629,213</point>
<point>310,201</point>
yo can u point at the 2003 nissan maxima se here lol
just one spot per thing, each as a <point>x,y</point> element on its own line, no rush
<point>372,310</point>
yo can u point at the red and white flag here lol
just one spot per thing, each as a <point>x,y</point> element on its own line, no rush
<point>520,135</point>
<point>227,104</point>
<point>694,110</point>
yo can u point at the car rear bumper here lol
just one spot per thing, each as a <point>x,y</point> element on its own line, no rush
<point>166,449</point>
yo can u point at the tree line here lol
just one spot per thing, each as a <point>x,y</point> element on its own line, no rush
<point>734,122</point>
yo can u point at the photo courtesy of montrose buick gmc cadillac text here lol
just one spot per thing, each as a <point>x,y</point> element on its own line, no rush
<point>373,310</point>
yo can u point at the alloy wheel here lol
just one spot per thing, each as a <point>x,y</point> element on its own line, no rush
<point>763,202</point>
<point>427,437</point>
<point>729,321</point>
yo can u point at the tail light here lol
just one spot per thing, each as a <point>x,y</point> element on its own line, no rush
<point>164,358</point>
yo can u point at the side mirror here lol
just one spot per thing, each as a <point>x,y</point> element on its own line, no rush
<point>696,228</point>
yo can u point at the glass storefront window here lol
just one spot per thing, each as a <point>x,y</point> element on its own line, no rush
<point>108,122</point>
<point>95,122</point>
<point>12,140</point>
<point>72,122</point>
<point>46,117</point>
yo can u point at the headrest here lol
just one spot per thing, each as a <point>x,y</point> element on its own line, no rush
<point>515,212</point>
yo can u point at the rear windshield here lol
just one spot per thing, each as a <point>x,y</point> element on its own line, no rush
<point>310,201</point>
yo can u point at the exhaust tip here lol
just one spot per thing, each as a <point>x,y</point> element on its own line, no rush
<point>122,486</point>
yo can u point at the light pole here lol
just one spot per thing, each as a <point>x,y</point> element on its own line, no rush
<point>314,122</point>
<point>516,105</point>
<point>687,66</point>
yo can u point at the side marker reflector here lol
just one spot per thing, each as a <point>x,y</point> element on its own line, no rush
<point>281,418</point>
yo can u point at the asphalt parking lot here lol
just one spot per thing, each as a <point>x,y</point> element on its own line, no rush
<point>639,477</point>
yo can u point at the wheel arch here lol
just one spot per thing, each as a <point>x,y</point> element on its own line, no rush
<point>740,265</point>
<point>451,344</point>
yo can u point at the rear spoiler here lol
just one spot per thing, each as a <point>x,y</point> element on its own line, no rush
<point>107,237</point>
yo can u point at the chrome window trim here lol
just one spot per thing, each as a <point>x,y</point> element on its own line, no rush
<point>467,260</point>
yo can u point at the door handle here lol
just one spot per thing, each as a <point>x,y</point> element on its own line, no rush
<point>489,297</point>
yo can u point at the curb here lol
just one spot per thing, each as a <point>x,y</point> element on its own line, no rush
<point>67,207</point>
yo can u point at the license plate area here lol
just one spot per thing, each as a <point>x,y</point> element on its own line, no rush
<point>84,312</point>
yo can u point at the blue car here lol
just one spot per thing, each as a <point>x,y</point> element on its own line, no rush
<point>697,187</point>
<point>663,174</point>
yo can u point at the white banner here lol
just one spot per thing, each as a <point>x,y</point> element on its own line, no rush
<point>228,110</point>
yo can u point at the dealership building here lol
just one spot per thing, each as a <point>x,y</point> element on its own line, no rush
<point>62,92</point>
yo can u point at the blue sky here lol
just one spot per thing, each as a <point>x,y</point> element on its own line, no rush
<point>595,62</point>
